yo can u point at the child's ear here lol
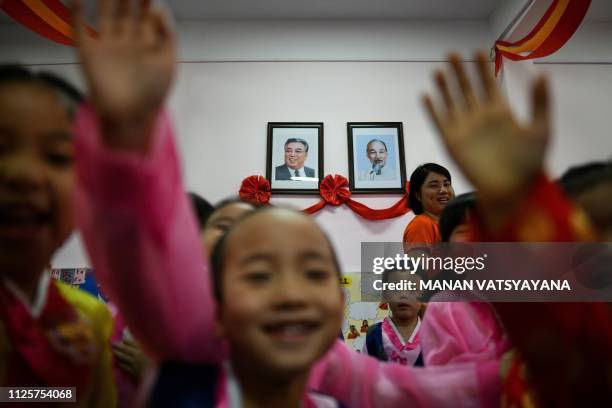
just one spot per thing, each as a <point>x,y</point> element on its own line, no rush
<point>417,194</point>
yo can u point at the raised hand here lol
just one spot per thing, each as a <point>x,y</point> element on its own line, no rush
<point>128,67</point>
<point>500,156</point>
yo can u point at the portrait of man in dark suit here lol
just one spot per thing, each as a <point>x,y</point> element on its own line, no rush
<point>296,153</point>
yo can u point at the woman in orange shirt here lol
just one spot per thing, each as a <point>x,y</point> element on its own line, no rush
<point>430,191</point>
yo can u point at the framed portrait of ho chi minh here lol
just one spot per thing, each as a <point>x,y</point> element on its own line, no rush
<point>376,157</point>
<point>294,163</point>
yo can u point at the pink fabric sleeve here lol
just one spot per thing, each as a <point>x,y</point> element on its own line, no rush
<point>461,331</point>
<point>362,381</point>
<point>142,239</point>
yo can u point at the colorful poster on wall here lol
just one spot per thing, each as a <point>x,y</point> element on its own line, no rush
<point>81,278</point>
<point>358,315</point>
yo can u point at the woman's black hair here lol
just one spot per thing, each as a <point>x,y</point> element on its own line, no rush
<point>455,214</point>
<point>70,96</point>
<point>202,208</point>
<point>578,179</point>
<point>417,178</point>
<point>217,255</point>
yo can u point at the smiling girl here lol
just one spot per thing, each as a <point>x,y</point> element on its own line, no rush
<point>51,335</point>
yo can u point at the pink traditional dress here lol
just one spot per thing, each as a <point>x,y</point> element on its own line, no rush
<point>461,331</point>
<point>405,352</point>
<point>385,342</point>
<point>58,339</point>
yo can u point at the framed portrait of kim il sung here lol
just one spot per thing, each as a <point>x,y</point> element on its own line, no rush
<point>294,162</point>
<point>376,157</point>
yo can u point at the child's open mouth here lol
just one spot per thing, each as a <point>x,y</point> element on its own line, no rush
<point>291,331</point>
<point>22,221</point>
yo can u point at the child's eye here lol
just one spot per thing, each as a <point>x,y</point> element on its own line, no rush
<point>60,159</point>
<point>257,277</point>
<point>317,274</point>
<point>222,227</point>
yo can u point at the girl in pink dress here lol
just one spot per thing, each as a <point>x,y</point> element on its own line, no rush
<point>460,330</point>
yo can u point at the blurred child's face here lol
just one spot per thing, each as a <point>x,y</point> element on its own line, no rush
<point>220,221</point>
<point>282,302</point>
<point>596,203</point>
<point>36,175</point>
<point>404,305</point>
<point>460,233</point>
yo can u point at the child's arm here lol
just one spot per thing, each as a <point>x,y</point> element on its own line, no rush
<point>566,345</point>
<point>500,156</point>
<point>362,381</point>
<point>131,205</point>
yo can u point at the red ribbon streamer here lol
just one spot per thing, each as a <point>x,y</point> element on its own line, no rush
<point>563,31</point>
<point>334,190</point>
<point>24,15</point>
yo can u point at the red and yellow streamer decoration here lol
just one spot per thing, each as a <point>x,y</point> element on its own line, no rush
<point>554,29</point>
<point>49,18</point>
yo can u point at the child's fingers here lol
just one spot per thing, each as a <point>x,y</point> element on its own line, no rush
<point>438,122</point>
<point>161,25</point>
<point>122,357</point>
<point>140,12</point>
<point>540,100</point>
<point>145,5</point>
<point>127,367</point>
<point>105,17</point>
<point>486,76</point>
<point>130,343</point>
<point>464,84</point>
<point>78,22</point>
<point>124,17</point>
<point>123,8</point>
<point>445,92</point>
<point>433,114</point>
<point>122,354</point>
<point>540,107</point>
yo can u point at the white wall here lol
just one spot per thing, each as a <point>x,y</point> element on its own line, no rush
<point>237,76</point>
<point>225,133</point>
<point>297,40</point>
<point>581,85</point>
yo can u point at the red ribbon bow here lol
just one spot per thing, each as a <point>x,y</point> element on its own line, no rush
<point>334,189</point>
<point>255,189</point>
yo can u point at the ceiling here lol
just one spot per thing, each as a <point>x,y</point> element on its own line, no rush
<point>600,10</point>
<point>328,9</point>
